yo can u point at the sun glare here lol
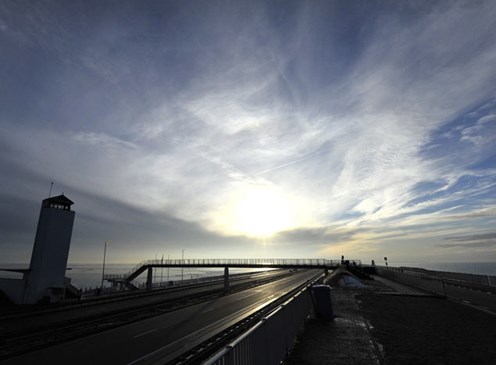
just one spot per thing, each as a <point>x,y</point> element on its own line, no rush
<point>257,212</point>
<point>263,212</point>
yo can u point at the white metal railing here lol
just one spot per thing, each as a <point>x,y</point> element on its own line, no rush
<point>269,340</point>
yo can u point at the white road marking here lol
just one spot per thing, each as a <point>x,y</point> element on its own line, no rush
<point>145,333</point>
<point>246,311</point>
<point>231,316</point>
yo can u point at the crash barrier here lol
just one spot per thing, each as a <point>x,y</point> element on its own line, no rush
<point>271,339</point>
<point>486,283</point>
<point>418,280</point>
<point>476,279</point>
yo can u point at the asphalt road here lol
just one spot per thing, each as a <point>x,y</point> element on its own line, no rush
<point>95,309</point>
<point>162,338</point>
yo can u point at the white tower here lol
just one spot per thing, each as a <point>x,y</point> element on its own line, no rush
<point>50,252</point>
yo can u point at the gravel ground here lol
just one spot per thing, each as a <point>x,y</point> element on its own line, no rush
<point>345,340</point>
<point>425,330</point>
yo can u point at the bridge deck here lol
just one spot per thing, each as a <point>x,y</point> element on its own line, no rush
<point>231,263</point>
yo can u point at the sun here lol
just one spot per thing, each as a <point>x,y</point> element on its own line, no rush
<point>257,211</point>
<point>263,212</point>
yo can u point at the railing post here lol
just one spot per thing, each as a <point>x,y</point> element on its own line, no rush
<point>444,286</point>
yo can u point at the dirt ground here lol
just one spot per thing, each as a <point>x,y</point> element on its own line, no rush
<point>426,330</point>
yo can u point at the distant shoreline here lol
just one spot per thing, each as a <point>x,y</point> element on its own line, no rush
<point>89,274</point>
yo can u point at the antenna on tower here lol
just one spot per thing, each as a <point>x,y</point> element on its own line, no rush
<point>51,186</point>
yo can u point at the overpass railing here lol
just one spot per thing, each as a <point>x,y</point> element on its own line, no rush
<point>271,339</point>
<point>243,263</point>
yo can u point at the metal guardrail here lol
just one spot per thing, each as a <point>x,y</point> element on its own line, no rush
<point>240,263</point>
<point>489,280</point>
<point>418,280</point>
<point>435,281</point>
<point>270,339</point>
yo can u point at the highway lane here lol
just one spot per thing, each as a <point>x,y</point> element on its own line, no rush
<point>30,322</point>
<point>166,336</point>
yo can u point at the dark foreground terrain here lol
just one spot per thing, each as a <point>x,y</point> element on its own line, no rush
<point>424,330</point>
<point>397,325</point>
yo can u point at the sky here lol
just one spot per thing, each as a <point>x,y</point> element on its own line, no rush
<point>256,129</point>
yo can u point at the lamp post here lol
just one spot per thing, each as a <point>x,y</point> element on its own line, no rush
<point>103,269</point>
<point>182,267</point>
<point>155,271</point>
<point>168,268</point>
<point>162,271</point>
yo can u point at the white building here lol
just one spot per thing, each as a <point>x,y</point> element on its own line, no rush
<point>45,278</point>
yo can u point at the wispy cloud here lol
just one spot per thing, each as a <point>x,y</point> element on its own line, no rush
<point>368,126</point>
<point>477,237</point>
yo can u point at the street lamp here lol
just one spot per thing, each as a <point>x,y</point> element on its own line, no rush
<point>162,271</point>
<point>155,271</point>
<point>182,268</point>
<point>103,269</point>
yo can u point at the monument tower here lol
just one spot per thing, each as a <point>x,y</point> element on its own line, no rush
<point>45,279</point>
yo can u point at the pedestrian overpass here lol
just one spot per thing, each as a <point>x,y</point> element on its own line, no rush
<point>149,265</point>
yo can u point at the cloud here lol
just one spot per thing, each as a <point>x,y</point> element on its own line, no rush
<point>365,125</point>
<point>476,237</point>
<point>102,139</point>
<point>475,244</point>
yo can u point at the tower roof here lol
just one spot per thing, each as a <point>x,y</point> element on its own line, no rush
<point>61,199</point>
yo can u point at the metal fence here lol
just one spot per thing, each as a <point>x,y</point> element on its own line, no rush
<point>246,263</point>
<point>435,281</point>
<point>422,281</point>
<point>271,339</point>
<point>477,279</point>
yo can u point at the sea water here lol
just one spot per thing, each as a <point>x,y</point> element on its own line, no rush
<point>481,268</point>
<point>90,275</point>
<point>86,276</point>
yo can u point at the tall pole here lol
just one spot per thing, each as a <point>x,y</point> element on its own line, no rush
<point>162,271</point>
<point>51,186</point>
<point>168,268</point>
<point>182,268</point>
<point>103,269</point>
<point>155,271</point>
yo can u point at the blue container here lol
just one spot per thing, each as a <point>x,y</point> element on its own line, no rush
<point>322,302</point>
